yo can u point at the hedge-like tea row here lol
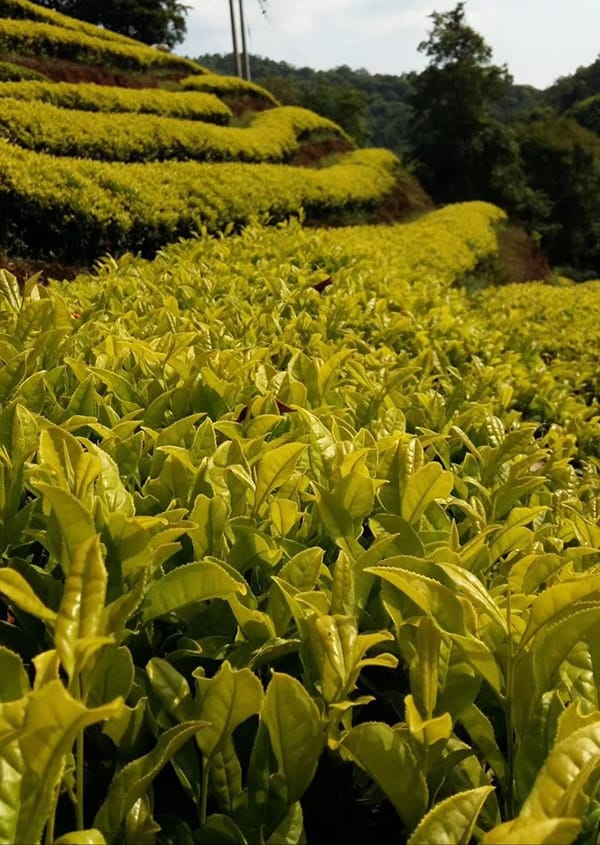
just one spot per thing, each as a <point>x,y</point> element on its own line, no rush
<point>564,330</point>
<point>227,86</point>
<point>78,209</point>
<point>109,98</point>
<point>24,10</point>
<point>29,38</point>
<point>11,72</point>
<point>272,136</point>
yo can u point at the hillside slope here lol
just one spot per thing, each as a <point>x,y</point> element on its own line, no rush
<point>132,171</point>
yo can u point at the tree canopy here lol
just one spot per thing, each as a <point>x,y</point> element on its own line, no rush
<point>456,140</point>
<point>150,21</point>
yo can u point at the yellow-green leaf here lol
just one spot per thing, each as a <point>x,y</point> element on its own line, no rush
<point>428,483</point>
<point>74,521</point>
<point>44,726</point>
<point>451,822</point>
<point>428,594</point>
<point>14,683</point>
<point>132,782</point>
<point>225,701</point>
<point>188,584</point>
<point>80,611</point>
<point>386,757</point>
<point>81,837</point>
<point>558,790</point>
<point>297,739</point>
<point>18,592</point>
<point>556,599</point>
<point>274,469</point>
<point>541,831</point>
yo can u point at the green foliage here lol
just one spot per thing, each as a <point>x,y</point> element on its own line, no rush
<point>372,108</point>
<point>587,113</point>
<point>568,90</point>
<point>345,105</point>
<point>563,162</point>
<point>452,42</point>
<point>462,151</point>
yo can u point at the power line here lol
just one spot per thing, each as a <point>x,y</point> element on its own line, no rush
<point>242,58</point>
<point>291,46</point>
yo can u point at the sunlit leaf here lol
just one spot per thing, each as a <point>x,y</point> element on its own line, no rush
<point>224,702</point>
<point>186,585</point>
<point>524,831</point>
<point>132,782</point>
<point>451,822</point>
<point>80,611</point>
<point>36,734</point>
<point>295,731</point>
<point>15,683</point>
<point>274,469</point>
<point>18,591</point>
<point>386,757</point>
<point>428,483</point>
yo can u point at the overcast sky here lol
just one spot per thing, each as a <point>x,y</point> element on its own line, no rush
<point>539,40</point>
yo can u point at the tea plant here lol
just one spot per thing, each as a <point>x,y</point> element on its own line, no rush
<point>289,503</point>
<point>111,136</point>
<point>86,96</point>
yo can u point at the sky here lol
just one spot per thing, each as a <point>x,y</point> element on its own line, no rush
<point>539,40</point>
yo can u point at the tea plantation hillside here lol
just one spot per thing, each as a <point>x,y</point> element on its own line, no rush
<point>239,153</point>
<point>291,517</point>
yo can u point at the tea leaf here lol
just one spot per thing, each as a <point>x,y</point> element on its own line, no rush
<point>36,734</point>
<point>17,590</point>
<point>524,831</point>
<point>386,757</point>
<point>295,731</point>
<point>427,484</point>
<point>80,611</point>
<point>451,822</point>
<point>274,469</point>
<point>132,782</point>
<point>225,701</point>
<point>187,584</point>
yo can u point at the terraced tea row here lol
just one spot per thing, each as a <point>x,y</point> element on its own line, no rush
<point>108,98</point>
<point>29,38</point>
<point>79,209</point>
<point>273,136</point>
<point>229,87</point>
<point>24,10</point>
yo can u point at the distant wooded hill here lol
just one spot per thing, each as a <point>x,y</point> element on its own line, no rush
<point>372,107</point>
<point>534,152</point>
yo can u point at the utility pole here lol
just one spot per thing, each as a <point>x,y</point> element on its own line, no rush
<point>236,52</point>
<point>246,57</point>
